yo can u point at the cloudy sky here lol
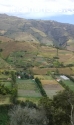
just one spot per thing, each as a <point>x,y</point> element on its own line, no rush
<point>60,10</point>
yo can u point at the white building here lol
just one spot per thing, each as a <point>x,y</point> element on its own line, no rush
<point>19,77</point>
<point>64,77</point>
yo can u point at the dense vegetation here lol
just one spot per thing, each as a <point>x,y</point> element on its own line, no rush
<point>49,111</point>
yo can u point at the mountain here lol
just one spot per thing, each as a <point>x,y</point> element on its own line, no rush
<point>40,31</point>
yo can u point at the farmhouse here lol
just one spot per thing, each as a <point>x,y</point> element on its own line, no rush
<point>58,80</point>
<point>19,77</point>
<point>64,77</point>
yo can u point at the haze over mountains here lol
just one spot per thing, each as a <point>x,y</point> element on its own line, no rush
<point>46,32</point>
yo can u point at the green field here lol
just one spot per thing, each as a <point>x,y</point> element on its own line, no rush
<point>33,99</point>
<point>2,76</point>
<point>28,88</point>
<point>69,83</point>
<point>43,77</point>
<point>4,80</point>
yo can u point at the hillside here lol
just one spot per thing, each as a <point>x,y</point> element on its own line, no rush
<point>46,32</point>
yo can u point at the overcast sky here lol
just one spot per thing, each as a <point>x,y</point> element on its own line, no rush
<point>38,9</point>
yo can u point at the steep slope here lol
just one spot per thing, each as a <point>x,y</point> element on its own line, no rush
<point>13,46</point>
<point>47,32</point>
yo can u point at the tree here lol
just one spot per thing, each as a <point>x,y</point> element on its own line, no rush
<point>14,87</point>
<point>64,101</point>
<point>57,50</point>
<point>47,105</point>
<point>13,78</point>
<point>40,87</point>
<point>48,72</point>
<point>56,71</point>
<point>1,50</point>
<point>59,110</point>
<point>27,116</point>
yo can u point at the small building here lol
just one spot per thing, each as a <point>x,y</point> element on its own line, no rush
<point>64,77</point>
<point>58,80</point>
<point>19,77</point>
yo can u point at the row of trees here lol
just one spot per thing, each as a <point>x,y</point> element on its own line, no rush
<point>40,87</point>
<point>14,87</point>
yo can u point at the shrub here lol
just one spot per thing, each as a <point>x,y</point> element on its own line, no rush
<point>27,116</point>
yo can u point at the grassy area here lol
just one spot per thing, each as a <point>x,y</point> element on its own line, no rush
<point>27,85</point>
<point>2,76</point>
<point>69,83</point>
<point>4,99</point>
<point>33,99</point>
<point>43,77</point>
<point>4,80</point>
<point>4,64</point>
<point>48,77</point>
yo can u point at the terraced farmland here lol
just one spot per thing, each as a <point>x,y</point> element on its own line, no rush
<point>28,88</point>
<point>43,71</point>
<point>5,80</point>
<point>51,87</point>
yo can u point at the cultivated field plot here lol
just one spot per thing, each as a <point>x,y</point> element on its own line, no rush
<point>43,71</point>
<point>51,87</point>
<point>69,83</point>
<point>32,99</point>
<point>3,76</point>
<point>65,56</point>
<point>4,99</point>
<point>40,71</point>
<point>19,58</point>
<point>5,80</point>
<point>43,77</point>
<point>66,71</point>
<point>28,88</point>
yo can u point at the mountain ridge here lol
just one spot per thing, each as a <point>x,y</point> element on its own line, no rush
<point>45,32</point>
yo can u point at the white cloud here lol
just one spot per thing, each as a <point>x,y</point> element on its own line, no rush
<point>37,8</point>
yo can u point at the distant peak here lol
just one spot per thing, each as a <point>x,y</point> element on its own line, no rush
<point>3,15</point>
